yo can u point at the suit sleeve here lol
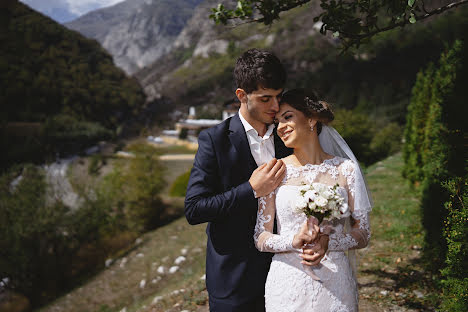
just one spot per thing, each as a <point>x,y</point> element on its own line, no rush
<point>202,202</point>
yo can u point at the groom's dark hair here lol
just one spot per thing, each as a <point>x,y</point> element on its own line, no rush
<point>256,68</point>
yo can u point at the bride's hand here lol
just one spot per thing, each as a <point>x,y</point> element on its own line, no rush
<point>304,236</point>
<point>314,255</point>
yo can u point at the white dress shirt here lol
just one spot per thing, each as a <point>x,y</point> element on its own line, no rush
<point>262,148</point>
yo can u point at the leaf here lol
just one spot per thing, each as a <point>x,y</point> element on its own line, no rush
<point>336,34</point>
<point>412,18</point>
<point>411,3</point>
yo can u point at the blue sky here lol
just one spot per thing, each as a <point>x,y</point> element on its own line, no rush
<point>57,8</point>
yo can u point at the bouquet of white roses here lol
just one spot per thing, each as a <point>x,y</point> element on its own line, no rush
<point>322,202</point>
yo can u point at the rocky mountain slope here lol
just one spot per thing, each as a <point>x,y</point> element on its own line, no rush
<point>199,68</point>
<point>191,63</point>
<point>136,32</point>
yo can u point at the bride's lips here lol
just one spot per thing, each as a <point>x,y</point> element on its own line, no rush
<point>285,134</point>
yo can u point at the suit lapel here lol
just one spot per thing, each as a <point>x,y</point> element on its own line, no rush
<point>239,140</point>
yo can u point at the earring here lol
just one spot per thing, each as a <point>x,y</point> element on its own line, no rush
<point>312,128</point>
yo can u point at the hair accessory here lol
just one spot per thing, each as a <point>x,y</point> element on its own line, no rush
<point>314,105</point>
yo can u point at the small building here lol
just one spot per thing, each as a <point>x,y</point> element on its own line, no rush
<point>194,125</point>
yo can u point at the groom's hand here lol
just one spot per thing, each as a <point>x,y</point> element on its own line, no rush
<point>266,178</point>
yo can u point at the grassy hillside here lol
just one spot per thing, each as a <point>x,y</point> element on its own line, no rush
<point>390,273</point>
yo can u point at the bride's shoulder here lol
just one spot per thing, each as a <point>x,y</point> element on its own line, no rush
<point>288,160</point>
<point>345,165</point>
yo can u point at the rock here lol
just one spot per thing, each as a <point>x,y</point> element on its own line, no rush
<point>196,250</point>
<point>179,260</point>
<point>203,277</point>
<point>173,269</point>
<point>161,269</point>
<point>156,299</point>
<point>138,241</point>
<point>384,292</point>
<point>184,251</point>
<point>140,255</point>
<point>142,284</point>
<point>418,294</point>
<point>109,262</point>
<point>123,262</point>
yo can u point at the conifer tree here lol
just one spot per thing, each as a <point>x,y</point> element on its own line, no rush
<point>415,125</point>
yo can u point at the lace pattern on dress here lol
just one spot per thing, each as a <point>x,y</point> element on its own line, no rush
<point>288,286</point>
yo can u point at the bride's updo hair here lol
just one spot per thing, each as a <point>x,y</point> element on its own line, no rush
<point>309,104</point>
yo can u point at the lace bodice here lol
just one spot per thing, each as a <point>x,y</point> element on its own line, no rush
<point>280,204</point>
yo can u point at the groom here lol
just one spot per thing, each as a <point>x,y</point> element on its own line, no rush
<point>235,164</point>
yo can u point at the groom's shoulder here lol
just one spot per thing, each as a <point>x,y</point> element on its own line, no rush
<point>218,131</point>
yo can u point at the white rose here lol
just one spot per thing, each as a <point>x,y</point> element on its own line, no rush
<point>336,214</point>
<point>304,188</point>
<point>312,205</point>
<point>328,194</point>
<point>332,204</point>
<point>301,202</point>
<point>309,195</point>
<point>319,187</point>
<point>320,201</point>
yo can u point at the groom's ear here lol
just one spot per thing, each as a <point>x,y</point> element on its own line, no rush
<point>241,95</point>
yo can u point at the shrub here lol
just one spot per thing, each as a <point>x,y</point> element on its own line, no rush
<point>179,187</point>
<point>387,141</point>
<point>358,130</point>
<point>66,134</point>
<point>133,190</point>
<point>183,133</point>
<point>96,161</point>
<point>441,138</point>
<point>455,283</point>
<point>39,237</point>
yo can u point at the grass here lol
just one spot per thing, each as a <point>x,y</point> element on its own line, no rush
<point>391,272</point>
<point>391,276</point>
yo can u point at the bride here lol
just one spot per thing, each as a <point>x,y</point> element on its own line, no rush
<point>320,156</point>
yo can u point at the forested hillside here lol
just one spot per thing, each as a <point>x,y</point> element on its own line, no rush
<point>57,87</point>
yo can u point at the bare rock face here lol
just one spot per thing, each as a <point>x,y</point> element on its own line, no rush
<point>137,32</point>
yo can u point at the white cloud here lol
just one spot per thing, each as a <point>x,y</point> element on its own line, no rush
<point>78,7</point>
<point>47,6</point>
<point>81,7</point>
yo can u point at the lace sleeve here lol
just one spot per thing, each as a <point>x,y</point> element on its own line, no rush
<point>359,234</point>
<point>264,238</point>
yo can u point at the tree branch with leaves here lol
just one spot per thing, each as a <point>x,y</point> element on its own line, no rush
<point>352,21</point>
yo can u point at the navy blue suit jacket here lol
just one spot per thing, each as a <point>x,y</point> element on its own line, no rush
<point>219,193</point>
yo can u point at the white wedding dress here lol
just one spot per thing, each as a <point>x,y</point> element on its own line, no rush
<point>289,287</point>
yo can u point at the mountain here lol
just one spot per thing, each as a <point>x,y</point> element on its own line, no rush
<point>136,32</point>
<point>376,78</point>
<point>60,90</point>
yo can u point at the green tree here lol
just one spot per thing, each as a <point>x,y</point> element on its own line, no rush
<point>351,21</point>
<point>416,119</point>
<point>40,237</point>
<point>133,188</point>
<point>358,130</point>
